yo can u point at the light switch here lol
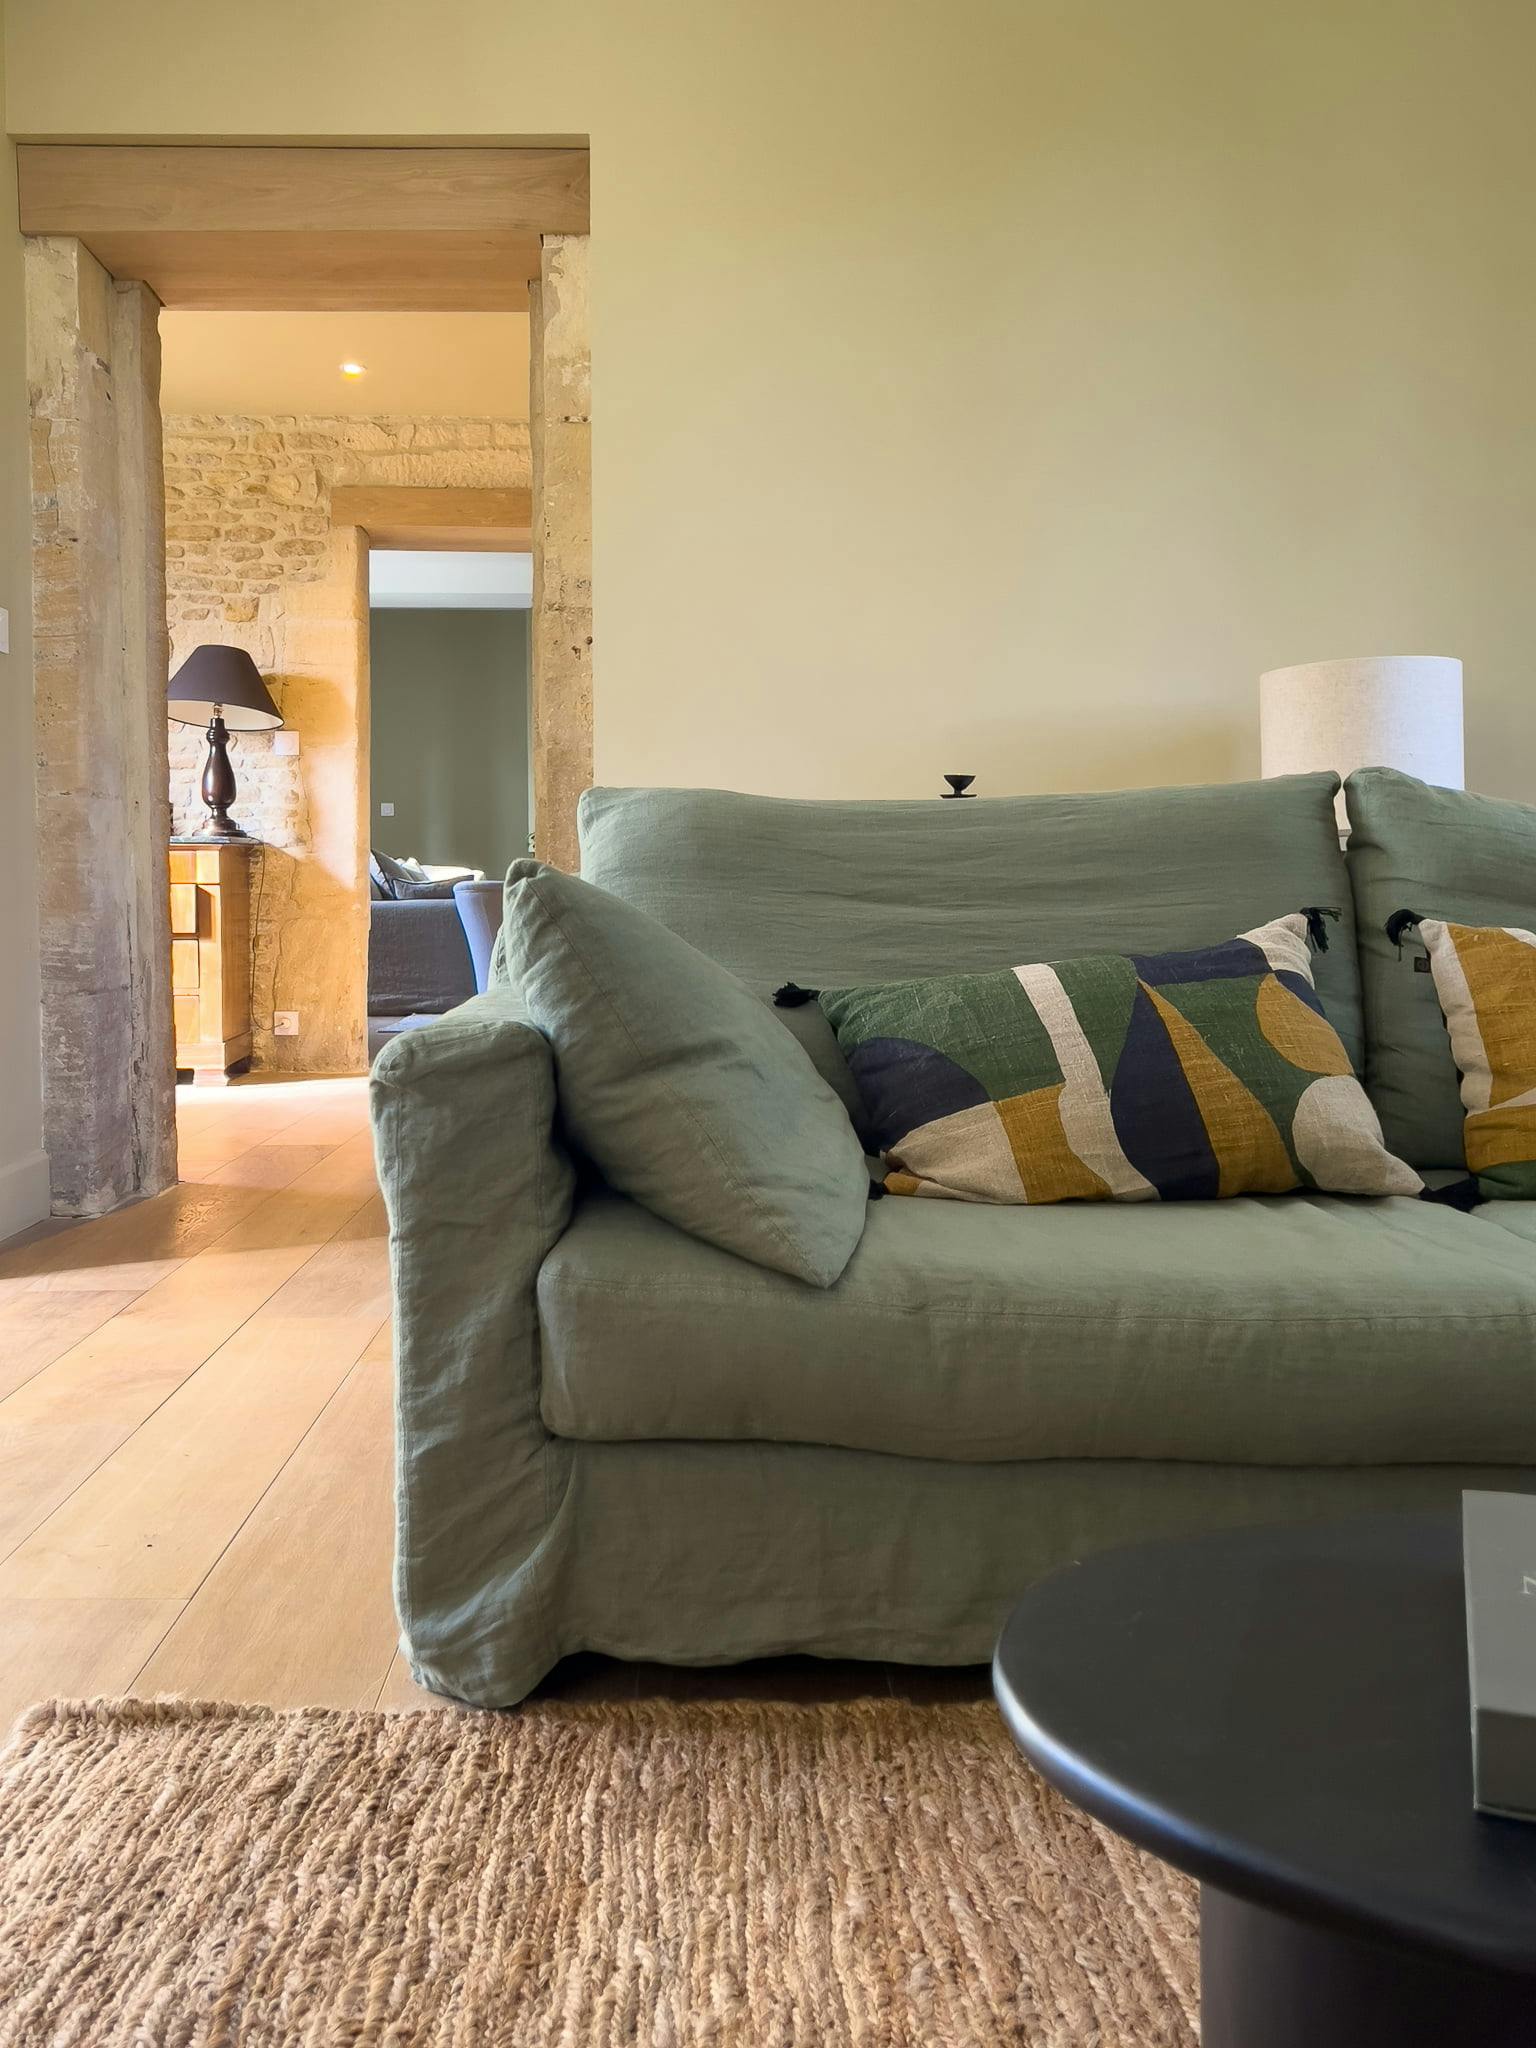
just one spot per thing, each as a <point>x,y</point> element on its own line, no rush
<point>5,631</point>
<point>386,810</point>
<point>285,742</point>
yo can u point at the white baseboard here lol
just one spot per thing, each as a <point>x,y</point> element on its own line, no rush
<point>25,1195</point>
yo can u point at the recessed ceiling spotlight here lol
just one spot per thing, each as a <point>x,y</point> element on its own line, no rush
<point>353,370</point>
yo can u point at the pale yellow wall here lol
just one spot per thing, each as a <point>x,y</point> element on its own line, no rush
<point>998,386</point>
<point>23,1168</point>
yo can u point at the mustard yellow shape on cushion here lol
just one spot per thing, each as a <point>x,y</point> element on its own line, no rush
<point>1250,1153</point>
<point>1499,968</point>
<point>1505,1136</point>
<point>1050,1170</point>
<point>1297,1032</point>
<point>1485,977</point>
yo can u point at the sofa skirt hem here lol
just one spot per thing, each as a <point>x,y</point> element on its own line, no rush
<point>708,1554</point>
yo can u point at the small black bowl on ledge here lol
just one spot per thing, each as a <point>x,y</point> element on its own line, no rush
<point>959,785</point>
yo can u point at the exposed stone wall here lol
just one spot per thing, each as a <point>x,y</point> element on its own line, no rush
<point>560,350</point>
<point>253,560</point>
<point>93,374</point>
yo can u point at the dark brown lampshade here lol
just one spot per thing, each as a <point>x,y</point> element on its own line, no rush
<point>221,680</point>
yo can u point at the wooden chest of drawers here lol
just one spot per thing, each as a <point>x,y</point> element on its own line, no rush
<point>211,955</point>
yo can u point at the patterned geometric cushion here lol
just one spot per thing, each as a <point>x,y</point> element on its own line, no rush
<point>1485,977</point>
<point>1448,854</point>
<point>1169,1076</point>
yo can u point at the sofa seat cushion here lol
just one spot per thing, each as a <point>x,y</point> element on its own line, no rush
<point>1519,1218</point>
<point>1264,1330</point>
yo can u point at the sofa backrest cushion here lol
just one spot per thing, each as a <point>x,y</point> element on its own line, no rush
<point>830,893</point>
<point>1445,854</point>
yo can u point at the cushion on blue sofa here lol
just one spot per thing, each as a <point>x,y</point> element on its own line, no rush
<point>1281,1330</point>
<point>418,958</point>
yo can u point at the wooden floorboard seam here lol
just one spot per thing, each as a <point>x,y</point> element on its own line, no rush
<point>254,1508</point>
<point>268,1197</point>
<point>87,1475</point>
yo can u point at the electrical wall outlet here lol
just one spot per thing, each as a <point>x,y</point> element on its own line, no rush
<point>285,742</point>
<point>386,810</point>
<point>285,1024</point>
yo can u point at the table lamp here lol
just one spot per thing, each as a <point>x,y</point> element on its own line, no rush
<point>1373,711</point>
<point>222,687</point>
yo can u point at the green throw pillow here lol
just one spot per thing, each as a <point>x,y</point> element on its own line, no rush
<point>1164,1076</point>
<point>683,1090</point>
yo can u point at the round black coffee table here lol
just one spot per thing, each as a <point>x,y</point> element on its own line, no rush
<point>1284,1714</point>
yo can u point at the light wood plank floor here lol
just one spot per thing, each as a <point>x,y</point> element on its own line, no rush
<point>195,1443</point>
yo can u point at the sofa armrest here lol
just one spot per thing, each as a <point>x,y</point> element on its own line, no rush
<point>478,1190</point>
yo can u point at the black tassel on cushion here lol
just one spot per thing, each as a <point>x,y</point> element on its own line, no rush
<point>1317,929</point>
<point>877,1191</point>
<point>1461,1194</point>
<point>1399,922</point>
<point>792,997</point>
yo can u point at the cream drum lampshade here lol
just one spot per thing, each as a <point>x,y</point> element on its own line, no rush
<point>1374,711</point>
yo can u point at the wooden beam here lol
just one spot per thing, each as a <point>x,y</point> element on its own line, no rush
<point>309,230</point>
<point>81,189</point>
<point>347,272</point>
<point>403,516</point>
<point>455,540</point>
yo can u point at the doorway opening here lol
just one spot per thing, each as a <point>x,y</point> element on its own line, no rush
<point>450,767</point>
<point>256,527</point>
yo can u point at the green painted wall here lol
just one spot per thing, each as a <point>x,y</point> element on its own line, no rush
<point>449,747</point>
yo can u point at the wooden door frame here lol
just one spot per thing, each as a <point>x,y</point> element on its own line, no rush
<point>465,520</point>
<point>311,227</point>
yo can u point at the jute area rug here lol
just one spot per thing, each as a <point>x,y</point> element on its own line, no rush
<point>669,1875</point>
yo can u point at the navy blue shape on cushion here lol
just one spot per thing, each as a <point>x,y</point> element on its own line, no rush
<point>1229,961</point>
<point>905,1085</point>
<point>1299,985</point>
<point>1155,1114</point>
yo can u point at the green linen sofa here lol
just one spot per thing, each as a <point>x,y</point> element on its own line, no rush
<point>614,1437</point>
